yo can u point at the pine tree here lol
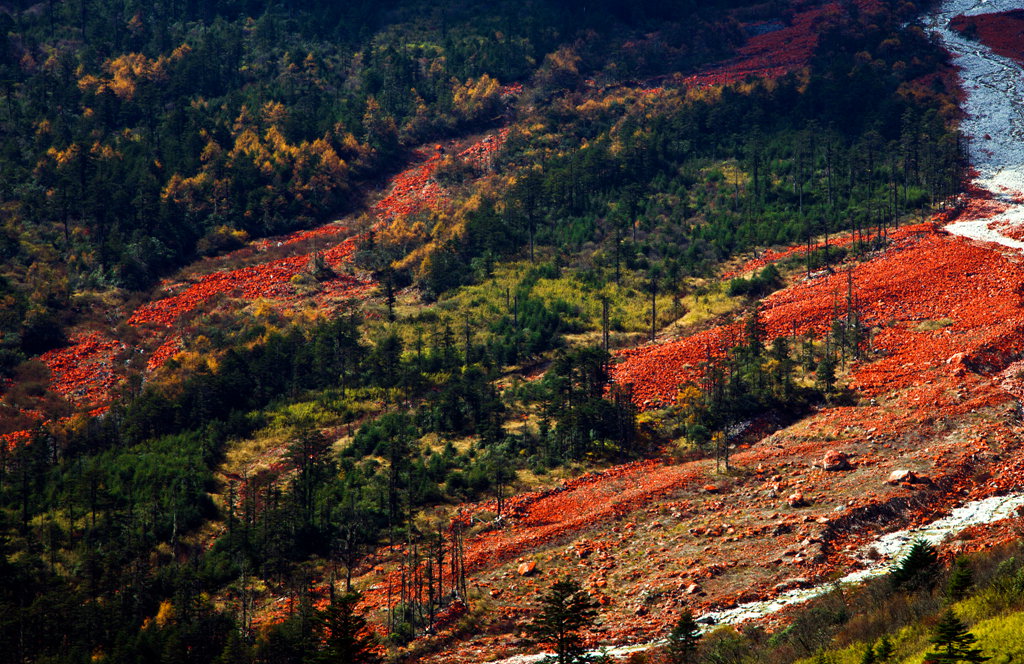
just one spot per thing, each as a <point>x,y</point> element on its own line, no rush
<point>235,650</point>
<point>869,656</point>
<point>566,610</point>
<point>342,636</point>
<point>682,640</point>
<point>826,371</point>
<point>953,643</point>
<point>917,569</point>
<point>960,580</point>
<point>884,650</point>
<point>310,455</point>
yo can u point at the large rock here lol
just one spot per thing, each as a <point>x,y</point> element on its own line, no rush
<point>904,476</point>
<point>791,584</point>
<point>527,568</point>
<point>836,460</point>
<point>898,476</point>
<point>796,500</point>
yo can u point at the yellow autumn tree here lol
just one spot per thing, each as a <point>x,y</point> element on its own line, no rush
<point>127,71</point>
<point>476,99</point>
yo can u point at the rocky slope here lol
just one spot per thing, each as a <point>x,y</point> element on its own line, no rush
<point>937,426</point>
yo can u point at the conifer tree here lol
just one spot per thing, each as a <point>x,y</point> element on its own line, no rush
<point>960,580</point>
<point>342,636</point>
<point>824,657</point>
<point>917,569</point>
<point>953,643</point>
<point>884,650</point>
<point>566,611</point>
<point>683,639</point>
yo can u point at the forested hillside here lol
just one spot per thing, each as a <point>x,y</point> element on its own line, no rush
<point>138,137</point>
<point>314,314</point>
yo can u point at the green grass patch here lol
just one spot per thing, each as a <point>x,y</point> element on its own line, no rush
<point>933,325</point>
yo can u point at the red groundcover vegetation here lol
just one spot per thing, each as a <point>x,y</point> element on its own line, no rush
<point>91,366</point>
<point>269,280</point>
<point>86,371</point>
<point>1002,32</point>
<point>775,255</point>
<point>782,49</point>
<point>927,275</point>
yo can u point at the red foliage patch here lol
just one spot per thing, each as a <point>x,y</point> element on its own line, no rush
<point>771,54</point>
<point>323,232</point>
<point>1002,32</point>
<point>10,441</point>
<point>166,351</point>
<point>414,190</point>
<point>926,275</point>
<point>657,371</point>
<point>85,372</point>
<point>266,280</point>
<point>775,255</point>
<point>269,280</point>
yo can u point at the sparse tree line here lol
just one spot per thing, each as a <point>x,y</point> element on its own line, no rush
<point>674,185</point>
<point>756,380</point>
<point>914,609</point>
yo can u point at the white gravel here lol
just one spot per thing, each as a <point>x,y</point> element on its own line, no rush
<point>889,548</point>
<point>994,108</point>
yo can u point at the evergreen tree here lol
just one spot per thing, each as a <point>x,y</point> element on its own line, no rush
<point>310,455</point>
<point>953,643</point>
<point>884,650</point>
<point>826,372</point>
<point>235,650</point>
<point>566,611</point>
<point>682,640</point>
<point>869,656</point>
<point>961,578</point>
<point>342,633</point>
<point>917,569</point>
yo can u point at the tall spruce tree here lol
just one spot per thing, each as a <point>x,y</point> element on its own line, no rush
<point>884,650</point>
<point>683,639</point>
<point>917,569</point>
<point>961,578</point>
<point>566,611</point>
<point>953,643</point>
<point>341,631</point>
